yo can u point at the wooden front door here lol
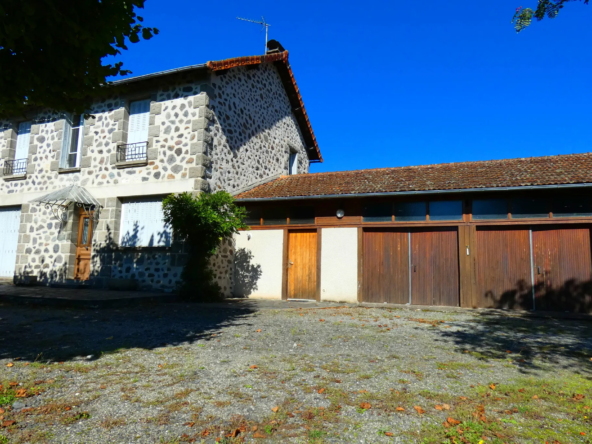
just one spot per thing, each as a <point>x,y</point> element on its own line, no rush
<point>434,268</point>
<point>386,267</point>
<point>302,264</point>
<point>502,268</point>
<point>84,245</point>
<point>562,268</point>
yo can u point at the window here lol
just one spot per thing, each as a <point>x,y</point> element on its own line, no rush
<point>302,215</point>
<point>490,209</point>
<point>378,213</point>
<point>410,211</point>
<point>253,216</point>
<point>525,207</point>
<point>142,224</point>
<point>275,216</point>
<point>572,206</point>
<point>138,121</point>
<point>293,169</point>
<point>446,210</point>
<point>22,141</point>
<point>72,144</point>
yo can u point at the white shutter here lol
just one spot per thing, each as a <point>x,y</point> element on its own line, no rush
<point>66,142</point>
<point>142,224</point>
<point>22,141</point>
<point>10,220</point>
<point>138,121</point>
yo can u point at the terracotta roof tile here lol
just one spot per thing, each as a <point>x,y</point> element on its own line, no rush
<point>549,170</point>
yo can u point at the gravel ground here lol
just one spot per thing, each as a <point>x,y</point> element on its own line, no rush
<point>299,372</point>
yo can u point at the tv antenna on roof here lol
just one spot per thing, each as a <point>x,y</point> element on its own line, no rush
<point>262,23</point>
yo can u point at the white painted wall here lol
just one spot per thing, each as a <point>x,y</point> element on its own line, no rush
<point>258,264</point>
<point>339,265</point>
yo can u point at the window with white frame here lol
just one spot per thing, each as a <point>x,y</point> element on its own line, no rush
<point>22,141</point>
<point>293,167</point>
<point>72,143</point>
<point>142,224</point>
<point>138,121</point>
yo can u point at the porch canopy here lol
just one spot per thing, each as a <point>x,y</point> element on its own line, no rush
<point>60,200</point>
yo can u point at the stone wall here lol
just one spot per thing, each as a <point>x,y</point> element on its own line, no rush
<point>45,248</point>
<point>251,128</point>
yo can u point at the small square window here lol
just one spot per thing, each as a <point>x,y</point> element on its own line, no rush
<point>253,216</point>
<point>378,213</point>
<point>275,216</point>
<point>572,206</point>
<point>410,211</point>
<point>302,215</point>
<point>524,208</point>
<point>490,209</point>
<point>446,210</point>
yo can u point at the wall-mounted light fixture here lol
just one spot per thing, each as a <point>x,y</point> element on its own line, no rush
<point>340,213</point>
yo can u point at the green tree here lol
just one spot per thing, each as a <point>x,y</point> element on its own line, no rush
<point>52,51</point>
<point>546,8</point>
<point>202,223</point>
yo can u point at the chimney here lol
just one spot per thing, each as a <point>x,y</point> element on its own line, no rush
<point>273,46</point>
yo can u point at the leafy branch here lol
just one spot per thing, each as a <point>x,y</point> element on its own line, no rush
<point>546,8</point>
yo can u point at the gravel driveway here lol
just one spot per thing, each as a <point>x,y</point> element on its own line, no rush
<point>301,372</point>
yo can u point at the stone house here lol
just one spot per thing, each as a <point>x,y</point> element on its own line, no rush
<point>80,199</point>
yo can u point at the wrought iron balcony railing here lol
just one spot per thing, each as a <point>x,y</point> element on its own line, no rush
<point>16,167</point>
<point>132,152</point>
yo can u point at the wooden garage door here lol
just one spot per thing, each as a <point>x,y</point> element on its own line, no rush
<point>434,268</point>
<point>432,256</point>
<point>386,267</point>
<point>562,269</point>
<point>502,268</point>
<point>302,264</point>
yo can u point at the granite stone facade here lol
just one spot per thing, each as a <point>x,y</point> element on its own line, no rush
<point>216,131</point>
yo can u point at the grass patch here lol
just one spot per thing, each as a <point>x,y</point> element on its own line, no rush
<point>525,410</point>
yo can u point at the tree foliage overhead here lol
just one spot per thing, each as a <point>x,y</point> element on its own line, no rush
<point>51,51</point>
<point>202,223</point>
<point>546,8</point>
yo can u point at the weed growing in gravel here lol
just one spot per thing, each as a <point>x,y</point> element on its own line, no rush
<point>110,423</point>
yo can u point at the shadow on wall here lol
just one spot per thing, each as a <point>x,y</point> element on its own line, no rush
<point>58,334</point>
<point>246,273</point>
<point>127,267</point>
<point>134,238</point>
<point>573,296</point>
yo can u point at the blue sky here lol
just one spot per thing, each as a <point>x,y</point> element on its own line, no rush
<point>394,83</point>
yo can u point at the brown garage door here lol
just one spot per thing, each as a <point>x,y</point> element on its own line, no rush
<point>434,268</point>
<point>419,266</point>
<point>502,268</point>
<point>562,269</point>
<point>386,267</point>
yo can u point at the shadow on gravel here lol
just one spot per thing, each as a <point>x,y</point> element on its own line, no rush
<point>60,334</point>
<point>530,342</point>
